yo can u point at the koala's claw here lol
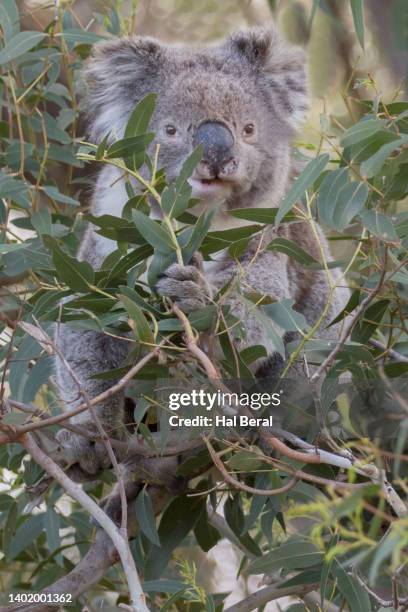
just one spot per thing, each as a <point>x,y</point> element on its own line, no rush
<point>91,457</point>
<point>185,285</point>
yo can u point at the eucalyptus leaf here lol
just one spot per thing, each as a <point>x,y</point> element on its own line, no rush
<point>358,18</point>
<point>355,595</point>
<point>141,326</point>
<point>290,555</point>
<point>19,44</point>
<point>306,179</point>
<point>129,146</point>
<point>154,233</point>
<point>78,275</point>
<point>361,130</point>
<point>146,518</point>
<point>379,224</point>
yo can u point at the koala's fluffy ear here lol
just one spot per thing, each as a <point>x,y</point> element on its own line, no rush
<point>280,66</point>
<point>118,74</point>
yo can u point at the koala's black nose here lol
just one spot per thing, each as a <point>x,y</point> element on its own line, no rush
<point>217,142</point>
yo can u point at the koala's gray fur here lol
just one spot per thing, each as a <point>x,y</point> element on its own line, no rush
<point>253,78</point>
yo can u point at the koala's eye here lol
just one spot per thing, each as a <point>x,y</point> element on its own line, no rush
<point>170,129</point>
<point>249,129</point>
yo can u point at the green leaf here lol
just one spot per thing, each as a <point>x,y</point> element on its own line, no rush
<point>51,526</point>
<point>146,517</point>
<point>259,215</point>
<point>25,535</point>
<point>137,125</point>
<point>9,21</point>
<point>196,235</point>
<point>203,318</point>
<point>20,44</point>
<point>351,200</point>
<point>176,196</point>
<point>326,568</point>
<point>340,200</point>
<point>78,275</point>
<point>10,186</point>
<point>9,248</point>
<point>36,376</point>
<point>55,194</point>
<point>374,315</point>
<point>159,263</point>
<point>361,130</point>
<point>77,35</point>
<point>190,164</point>
<point>358,18</point>
<point>268,325</point>
<point>285,316</point>
<point>384,550</point>
<point>234,514</point>
<point>367,147</point>
<point>141,329</point>
<point>100,151</point>
<point>9,528</point>
<point>42,222</point>
<point>206,535</point>
<point>129,146</point>
<point>177,521</point>
<point>290,555</point>
<point>371,166</point>
<point>302,183</point>
<point>153,232</point>
<point>379,225</point>
<point>356,597</point>
<point>329,192</point>
<point>141,115</point>
<point>137,299</point>
<point>291,249</point>
<point>175,199</point>
<point>252,353</point>
<point>129,261</point>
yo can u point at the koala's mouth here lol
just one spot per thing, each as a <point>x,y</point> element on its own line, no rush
<point>205,188</point>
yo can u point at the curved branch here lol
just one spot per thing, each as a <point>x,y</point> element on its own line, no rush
<point>242,486</point>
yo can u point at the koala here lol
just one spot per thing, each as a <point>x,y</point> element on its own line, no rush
<point>242,101</point>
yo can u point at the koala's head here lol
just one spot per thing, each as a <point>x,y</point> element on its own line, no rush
<point>240,100</point>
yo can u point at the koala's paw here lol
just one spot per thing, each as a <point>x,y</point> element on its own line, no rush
<point>186,286</point>
<point>92,457</point>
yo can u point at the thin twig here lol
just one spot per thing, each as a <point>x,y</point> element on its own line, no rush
<point>242,486</point>
<point>59,418</point>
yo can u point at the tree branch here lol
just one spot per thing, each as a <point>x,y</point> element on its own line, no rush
<point>75,491</point>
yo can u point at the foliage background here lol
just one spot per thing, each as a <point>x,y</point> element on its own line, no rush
<point>354,544</point>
